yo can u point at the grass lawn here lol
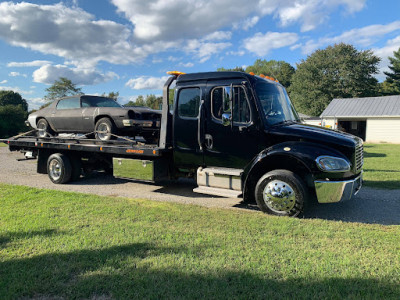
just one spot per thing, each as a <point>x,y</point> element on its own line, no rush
<point>56,244</point>
<point>382,166</point>
<point>3,145</point>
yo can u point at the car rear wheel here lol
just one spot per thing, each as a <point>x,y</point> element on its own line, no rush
<point>105,129</point>
<point>44,129</point>
<point>281,193</point>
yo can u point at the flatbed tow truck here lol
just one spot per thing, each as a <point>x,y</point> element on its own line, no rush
<point>236,134</point>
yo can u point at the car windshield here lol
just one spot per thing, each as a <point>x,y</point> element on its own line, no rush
<point>275,103</point>
<point>91,101</point>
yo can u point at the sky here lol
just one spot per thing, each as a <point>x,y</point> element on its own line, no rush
<point>127,46</point>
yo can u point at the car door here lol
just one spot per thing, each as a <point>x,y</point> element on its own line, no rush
<point>231,145</point>
<point>187,150</point>
<point>67,115</point>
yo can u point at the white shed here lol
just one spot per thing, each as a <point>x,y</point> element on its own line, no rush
<point>374,119</point>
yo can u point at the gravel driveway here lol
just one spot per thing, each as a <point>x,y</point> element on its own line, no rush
<point>369,206</point>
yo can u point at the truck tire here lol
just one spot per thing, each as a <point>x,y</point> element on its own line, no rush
<point>104,129</point>
<point>59,168</point>
<point>281,193</point>
<point>44,129</point>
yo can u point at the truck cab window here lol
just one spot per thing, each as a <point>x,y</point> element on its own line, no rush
<point>220,104</point>
<point>188,102</point>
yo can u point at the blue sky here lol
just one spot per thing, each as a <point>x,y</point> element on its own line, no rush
<point>128,45</point>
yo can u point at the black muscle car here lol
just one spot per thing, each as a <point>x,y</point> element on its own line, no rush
<point>95,116</point>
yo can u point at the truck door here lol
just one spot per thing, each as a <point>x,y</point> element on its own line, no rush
<point>231,145</point>
<point>187,150</point>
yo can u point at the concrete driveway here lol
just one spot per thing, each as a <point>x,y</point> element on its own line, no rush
<point>369,206</point>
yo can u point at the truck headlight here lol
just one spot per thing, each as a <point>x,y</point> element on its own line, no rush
<point>332,164</point>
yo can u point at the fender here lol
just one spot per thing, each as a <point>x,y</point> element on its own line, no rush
<point>295,156</point>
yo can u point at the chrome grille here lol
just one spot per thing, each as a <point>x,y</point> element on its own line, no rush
<point>359,157</point>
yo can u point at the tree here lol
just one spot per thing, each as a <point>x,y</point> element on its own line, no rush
<point>12,98</point>
<point>112,95</point>
<point>13,113</point>
<point>61,88</point>
<point>280,70</point>
<point>154,102</point>
<point>386,88</point>
<point>237,69</point>
<point>339,71</point>
<point>393,78</point>
<point>138,102</point>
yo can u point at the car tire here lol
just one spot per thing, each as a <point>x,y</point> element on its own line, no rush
<point>281,193</point>
<point>104,129</point>
<point>59,168</point>
<point>44,129</point>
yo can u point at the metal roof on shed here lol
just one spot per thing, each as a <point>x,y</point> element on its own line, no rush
<point>388,106</point>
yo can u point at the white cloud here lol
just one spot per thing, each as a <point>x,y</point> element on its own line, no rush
<point>262,44</point>
<point>218,36</point>
<point>35,63</point>
<point>16,89</point>
<point>147,83</point>
<point>70,33</point>
<point>15,74</point>
<point>186,65</point>
<point>364,36</point>
<point>204,50</point>
<point>384,53</point>
<point>35,103</point>
<point>80,76</point>
<point>172,20</point>
<point>3,81</point>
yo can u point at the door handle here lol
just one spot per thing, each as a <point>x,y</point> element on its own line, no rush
<point>199,126</point>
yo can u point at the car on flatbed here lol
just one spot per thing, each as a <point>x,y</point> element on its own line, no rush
<point>99,117</point>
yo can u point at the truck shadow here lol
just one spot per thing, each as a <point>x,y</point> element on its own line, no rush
<point>369,206</point>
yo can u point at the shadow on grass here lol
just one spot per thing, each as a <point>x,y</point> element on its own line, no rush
<point>121,272</point>
<point>10,236</point>
<point>389,184</point>
<point>370,154</point>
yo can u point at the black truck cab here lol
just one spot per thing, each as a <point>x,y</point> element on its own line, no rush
<point>237,134</point>
<point>240,132</point>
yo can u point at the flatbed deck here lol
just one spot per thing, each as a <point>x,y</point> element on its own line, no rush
<point>114,147</point>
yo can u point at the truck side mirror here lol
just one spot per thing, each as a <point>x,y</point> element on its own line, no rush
<point>226,119</point>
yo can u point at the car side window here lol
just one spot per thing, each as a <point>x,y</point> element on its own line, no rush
<point>86,102</point>
<point>220,103</point>
<point>69,103</point>
<point>188,102</point>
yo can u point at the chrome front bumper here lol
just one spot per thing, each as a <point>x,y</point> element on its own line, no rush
<point>336,191</point>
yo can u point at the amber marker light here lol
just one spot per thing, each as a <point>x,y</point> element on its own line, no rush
<point>251,73</point>
<point>175,73</point>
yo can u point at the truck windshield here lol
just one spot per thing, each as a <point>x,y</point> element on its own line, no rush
<point>275,103</point>
<point>94,101</point>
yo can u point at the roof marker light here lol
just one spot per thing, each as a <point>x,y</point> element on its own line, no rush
<point>251,73</point>
<point>175,73</point>
<point>262,75</point>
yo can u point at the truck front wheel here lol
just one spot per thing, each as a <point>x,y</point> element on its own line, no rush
<point>281,193</point>
<point>59,168</point>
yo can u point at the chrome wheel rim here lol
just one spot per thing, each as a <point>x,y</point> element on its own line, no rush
<point>55,169</point>
<point>279,196</point>
<point>42,129</point>
<point>103,131</point>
